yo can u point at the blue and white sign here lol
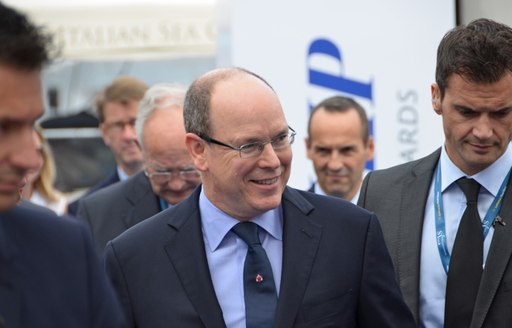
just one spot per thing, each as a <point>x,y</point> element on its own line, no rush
<point>381,53</point>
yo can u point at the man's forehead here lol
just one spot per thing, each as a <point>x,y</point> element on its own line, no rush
<point>169,164</point>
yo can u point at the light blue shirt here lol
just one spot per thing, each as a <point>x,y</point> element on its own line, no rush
<point>432,274</point>
<point>121,174</point>
<point>225,253</point>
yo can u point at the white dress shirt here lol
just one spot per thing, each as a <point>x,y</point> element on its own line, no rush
<point>432,274</point>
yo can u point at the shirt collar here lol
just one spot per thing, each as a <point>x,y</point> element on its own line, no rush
<point>216,223</point>
<point>487,177</point>
<point>319,191</point>
<point>122,174</point>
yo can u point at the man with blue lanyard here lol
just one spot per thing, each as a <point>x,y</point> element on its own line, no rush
<point>452,247</point>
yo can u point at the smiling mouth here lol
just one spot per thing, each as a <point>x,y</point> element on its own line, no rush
<point>266,181</point>
<point>480,147</point>
<point>337,175</point>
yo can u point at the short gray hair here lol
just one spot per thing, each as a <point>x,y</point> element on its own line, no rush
<point>161,95</point>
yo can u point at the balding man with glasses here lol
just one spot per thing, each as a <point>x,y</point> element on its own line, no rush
<point>169,175</point>
<point>245,250</point>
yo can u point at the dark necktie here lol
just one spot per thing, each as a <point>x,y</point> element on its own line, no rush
<point>465,268</point>
<point>259,287</point>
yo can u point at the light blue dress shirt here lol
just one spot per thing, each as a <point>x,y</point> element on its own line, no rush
<point>121,174</point>
<point>225,253</point>
<point>432,274</point>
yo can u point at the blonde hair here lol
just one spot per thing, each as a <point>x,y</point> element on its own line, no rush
<point>44,183</point>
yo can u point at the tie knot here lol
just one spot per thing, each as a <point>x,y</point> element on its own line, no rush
<point>248,231</point>
<point>470,188</point>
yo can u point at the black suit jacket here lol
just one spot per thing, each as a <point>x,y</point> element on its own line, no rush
<point>50,275</point>
<point>398,196</point>
<point>111,179</point>
<point>112,210</point>
<point>336,271</point>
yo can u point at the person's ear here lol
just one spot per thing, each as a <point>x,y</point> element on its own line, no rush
<point>103,131</point>
<point>436,98</point>
<point>370,148</point>
<point>197,150</point>
<point>307,142</point>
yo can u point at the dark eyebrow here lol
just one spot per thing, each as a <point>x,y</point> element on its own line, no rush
<point>463,108</point>
<point>469,109</point>
<point>504,110</point>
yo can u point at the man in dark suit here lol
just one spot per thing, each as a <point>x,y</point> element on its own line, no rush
<point>315,261</point>
<point>117,106</point>
<point>339,144</point>
<point>420,204</point>
<point>50,275</point>
<point>169,176</point>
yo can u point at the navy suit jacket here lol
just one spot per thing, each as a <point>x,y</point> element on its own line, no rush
<point>111,179</point>
<point>50,276</point>
<point>336,270</point>
<point>111,210</point>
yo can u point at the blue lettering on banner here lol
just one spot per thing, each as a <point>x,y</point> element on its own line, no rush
<point>337,81</point>
<point>331,81</point>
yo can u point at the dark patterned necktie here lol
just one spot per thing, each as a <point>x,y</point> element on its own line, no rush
<point>466,259</point>
<point>259,287</point>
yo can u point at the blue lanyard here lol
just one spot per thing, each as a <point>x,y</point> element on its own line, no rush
<point>488,221</point>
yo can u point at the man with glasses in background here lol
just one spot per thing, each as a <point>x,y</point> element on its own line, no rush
<point>168,178</point>
<point>245,250</point>
<point>117,106</point>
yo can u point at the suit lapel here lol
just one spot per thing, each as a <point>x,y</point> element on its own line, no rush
<point>144,201</point>
<point>191,265</point>
<point>414,196</point>
<point>497,261</point>
<point>298,259</point>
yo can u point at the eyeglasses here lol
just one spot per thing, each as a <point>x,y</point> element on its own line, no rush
<point>161,177</point>
<point>254,149</point>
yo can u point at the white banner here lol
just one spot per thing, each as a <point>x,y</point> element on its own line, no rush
<point>381,53</point>
<point>136,31</point>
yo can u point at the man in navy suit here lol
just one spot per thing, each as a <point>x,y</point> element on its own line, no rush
<point>184,266</point>
<point>50,275</point>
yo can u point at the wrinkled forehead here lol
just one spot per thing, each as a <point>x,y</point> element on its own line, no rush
<point>177,159</point>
